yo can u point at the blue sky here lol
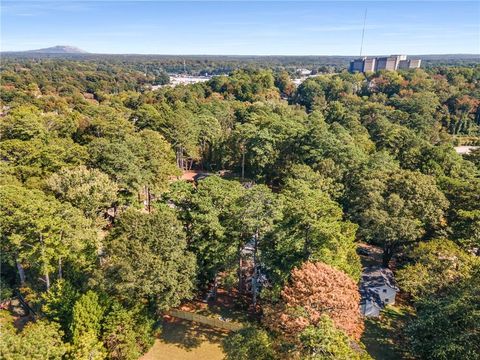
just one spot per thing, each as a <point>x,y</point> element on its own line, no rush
<point>243,27</point>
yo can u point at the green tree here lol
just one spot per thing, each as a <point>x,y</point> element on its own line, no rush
<point>464,212</point>
<point>22,123</point>
<point>126,333</point>
<point>434,265</point>
<point>246,85</point>
<point>474,157</point>
<point>87,189</point>
<point>146,259</point>
<point>40,232</point>
<point>284,83</point>
<point>323,341</point>
<point>446,325</point>
<point>312,228</point>
<point>157,160</point>
<point>58,303</point>
<point>397,207</point>
<point>258,209</point>
<point>36,158</point>
<point>254,148</point>
<point>330,149</point>
<point>249,344</point>
<point>209,227</point>
<point>85,327</point>
<point>117,159</point>
<point>39,340</point>
<point>141,160</point>
<point>182,131</point>
<point>209,137</point>
<point>310,94</point>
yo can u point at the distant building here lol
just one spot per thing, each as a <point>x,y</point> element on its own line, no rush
<point>369,64</point>
<point>414,63</point>
<point>303,72</point>
<point>404,64</point>
<point>409,64</point>
<point>390,63</point>
<point>465,149</point>
<point>387,63</point>
<point>378,289</point>
<point>357,65</point>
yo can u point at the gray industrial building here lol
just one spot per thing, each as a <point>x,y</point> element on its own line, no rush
<point>369,64</point>
<point>391,63</point>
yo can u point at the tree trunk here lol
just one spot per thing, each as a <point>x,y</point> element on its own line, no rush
<point>149,200</point>
<point>47,276</point>
<point>388,251</point>
<point>204,155</point>
<point>240,265</point>
<point>47,280</point>
<point>179,157</point>
<point>114,213</point>
<point>215,286</point>
<point>255,271</point>
<point>243,165</point>
<point>182,165</point>
<point>21,272</point>
<point>60,271</point>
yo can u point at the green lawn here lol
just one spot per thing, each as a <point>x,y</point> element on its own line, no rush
<point>237,312</point>
<point>382,336</point>
<point>184,340</point>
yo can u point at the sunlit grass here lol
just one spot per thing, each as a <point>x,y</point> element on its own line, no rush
<point>185,340</point>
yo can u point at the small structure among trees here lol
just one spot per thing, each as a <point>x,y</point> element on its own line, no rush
<point>378,288</point>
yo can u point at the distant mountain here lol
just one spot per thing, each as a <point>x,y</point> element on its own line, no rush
<point>59,49</point>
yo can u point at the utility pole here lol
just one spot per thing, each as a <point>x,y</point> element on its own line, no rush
<point>363,31</point>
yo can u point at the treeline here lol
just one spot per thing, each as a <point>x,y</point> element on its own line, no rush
<point>67,78</point>
<point>101,239</point>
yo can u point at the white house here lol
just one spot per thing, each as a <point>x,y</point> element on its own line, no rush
<point>465,150</point>
<point>378,289</point>
<point>304,72</point>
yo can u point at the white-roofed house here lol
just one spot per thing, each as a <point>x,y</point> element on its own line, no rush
<point>378,289</point>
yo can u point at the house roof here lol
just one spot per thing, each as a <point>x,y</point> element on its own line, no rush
<point>373,278</point>
<point>376,276</point>
<point>372,296</point>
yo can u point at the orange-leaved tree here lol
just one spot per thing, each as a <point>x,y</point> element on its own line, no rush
<point>316,289</point>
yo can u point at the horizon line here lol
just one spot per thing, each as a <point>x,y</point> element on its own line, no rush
<point>219,54</point>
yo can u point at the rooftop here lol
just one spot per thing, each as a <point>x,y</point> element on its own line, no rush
<point>376,276</point>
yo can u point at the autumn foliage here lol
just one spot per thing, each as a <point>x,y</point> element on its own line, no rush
<point>316,289</point>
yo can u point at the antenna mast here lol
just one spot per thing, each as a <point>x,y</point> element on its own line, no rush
<point>363,31</point>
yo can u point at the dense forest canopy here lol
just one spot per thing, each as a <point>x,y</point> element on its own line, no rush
<point>100,237</point>
<point>224,64</point>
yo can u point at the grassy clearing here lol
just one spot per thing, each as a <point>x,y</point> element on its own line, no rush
<point>228,306</point>
<point>236,312</point>
<point>183,340</point>
<point>383,336</point>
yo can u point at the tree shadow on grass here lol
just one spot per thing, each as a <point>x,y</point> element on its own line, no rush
<point>383,336</point>
<point>189,335</point>
<point>235,312</point>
